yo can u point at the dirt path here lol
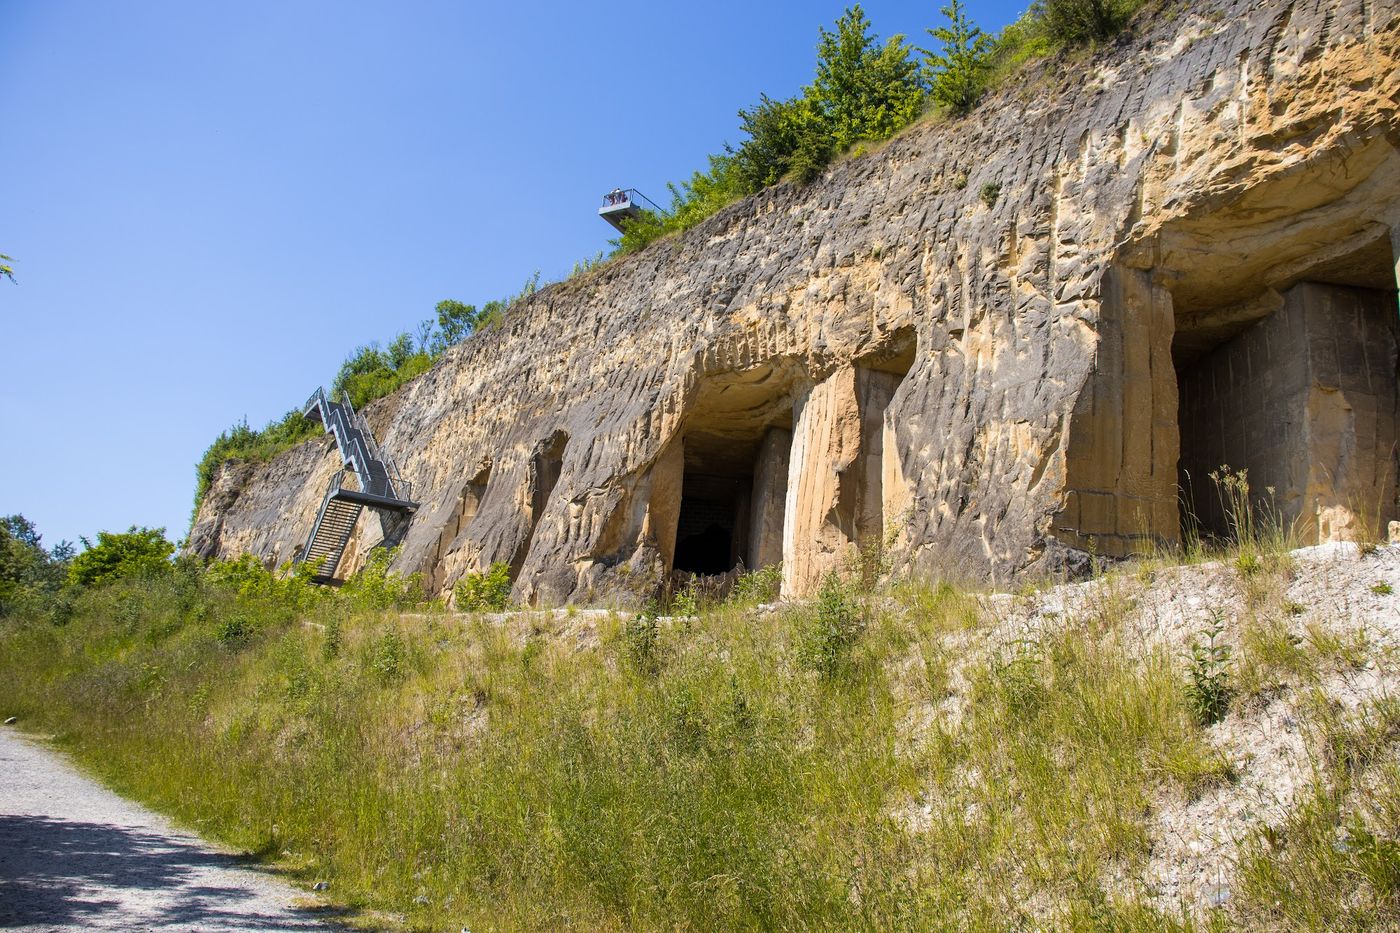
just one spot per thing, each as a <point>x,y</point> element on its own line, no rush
<point>75,856</point>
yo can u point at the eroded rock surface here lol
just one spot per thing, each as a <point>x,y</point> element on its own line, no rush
<point>965,347</point>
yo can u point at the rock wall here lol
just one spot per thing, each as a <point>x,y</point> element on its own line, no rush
<point>973,334</point>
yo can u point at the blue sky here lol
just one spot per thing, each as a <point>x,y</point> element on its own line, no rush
<point>210,205</point>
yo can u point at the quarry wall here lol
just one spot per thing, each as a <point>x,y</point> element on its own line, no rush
<point>973,348</point>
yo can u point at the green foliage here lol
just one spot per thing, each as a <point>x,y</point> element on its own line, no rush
<point>241,442</point>
<point>7,271</point>
<point>377,587</point>
<point>990,192</point>
<point>758,586</point>
<point>864,90</point>
<point>28,572</point>
<point>1074,22</point>
<point>957,75</point>
<point>484,592</point>
<point>1209,688</point>
<point>138,552</point>
<point>834,628</point>
<point>370,373</point>
<point>787,139</point>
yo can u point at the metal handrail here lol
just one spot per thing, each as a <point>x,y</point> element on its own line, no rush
<point>629,197</point>
<point>397,484</point>
<point>357,444</point>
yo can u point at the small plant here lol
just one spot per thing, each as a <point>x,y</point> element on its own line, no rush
<point>990,192</point>
<point>758,586</point>
<point>642,635</point>
<point>1382,589</point>
<point>686,603</point>
<point>835,627</point>
<point>1209,690</point>
<point>330,648</point>
<point>1248,563</point>
<point>960,181</point>
<point>1294,608</point>
<point>388,656</point>
<point>484,592</point>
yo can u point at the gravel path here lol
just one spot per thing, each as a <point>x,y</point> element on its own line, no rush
<point>75,856</point>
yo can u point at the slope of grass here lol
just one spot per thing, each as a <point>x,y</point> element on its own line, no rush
<point>854,764</point>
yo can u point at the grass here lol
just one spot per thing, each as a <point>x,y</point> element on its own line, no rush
<point>862,762</point>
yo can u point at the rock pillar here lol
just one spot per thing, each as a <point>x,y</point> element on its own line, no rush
<point>836,490</point>
<point>1123,441</point>
<point>770,483</point>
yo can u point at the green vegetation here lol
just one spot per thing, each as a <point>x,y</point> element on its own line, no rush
<point>139,552</point>
<point>879,758</point>
<point>489,591</point>
<point>864,92</point>
<point>957,75</point>
<point>7,271</point>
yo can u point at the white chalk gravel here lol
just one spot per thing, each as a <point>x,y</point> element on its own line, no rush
<point>76,856</point>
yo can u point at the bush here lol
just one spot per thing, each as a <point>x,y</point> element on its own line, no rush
<point>377,587</point>
<point>484,592</point>
<point>139,552</point>
<point>834,628</point>
<point>758,586</point>
<point>1074,22</point>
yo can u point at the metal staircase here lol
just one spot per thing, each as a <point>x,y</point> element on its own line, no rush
<point>380,487</point>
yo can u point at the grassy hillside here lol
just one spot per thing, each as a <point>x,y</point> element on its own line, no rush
<point>917,758</point>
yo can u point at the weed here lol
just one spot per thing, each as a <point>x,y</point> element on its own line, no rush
<point>488,592</point>
<point>990,192</point>
<point>758,586</point>
<point>1382,589</point>
<point>1209,688</point>
<point>834,627</point>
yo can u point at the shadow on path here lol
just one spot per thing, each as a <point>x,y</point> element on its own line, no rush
<point>63,873</point>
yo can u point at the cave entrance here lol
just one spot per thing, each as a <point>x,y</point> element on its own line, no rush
<point>737,443</point>
<point>1284,349</point>
<point>1297,387</point>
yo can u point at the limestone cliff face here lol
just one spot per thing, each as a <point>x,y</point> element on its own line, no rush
<point>965,347</point>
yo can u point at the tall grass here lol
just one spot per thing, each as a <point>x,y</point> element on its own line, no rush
<point>714,772</point>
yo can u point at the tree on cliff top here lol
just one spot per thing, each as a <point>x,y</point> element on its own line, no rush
<point>958,75</point>
<point>864,90</point>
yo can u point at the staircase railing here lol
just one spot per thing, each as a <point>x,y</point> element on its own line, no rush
<point>357,445</point>
<point>398,487</point>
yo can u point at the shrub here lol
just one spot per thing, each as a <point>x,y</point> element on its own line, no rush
<point>377,587</point>
<point>990,192</point>
<point>489,591</point>
<point>835,626</point>
<point>1074,22</point>
<point>138,552</point>
<point>758,586</point>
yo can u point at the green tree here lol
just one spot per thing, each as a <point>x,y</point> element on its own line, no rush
<point>958,75</point>
<point>456,321</point>
<point>7,271</point>
<point>787,137</point>
<point>139,552</point>
<point>864,90</point>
